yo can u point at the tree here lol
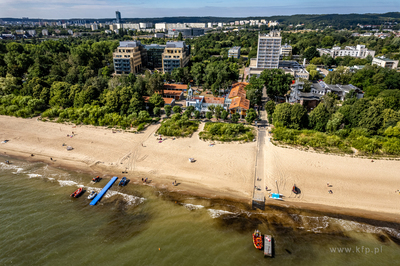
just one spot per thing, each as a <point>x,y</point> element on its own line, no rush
<point>328,41</point>
<point>190,110</point>
<point>282,115</point>
<point>180,38</point>
<point>298,116</point>
<point>217,112</point>
<point>59,95</point>
<point>316,61</point>
<point>224,115</point>
<point>136,104</point>
<point>276,82</point>
<point>157,111</point>
<point>156,100</point>
<point>197,114</point>
<point>251,115</point>
<point>335,121</point>
<point>235,117</point>
<point>167,109</point>
<point>310,53</point>
<point>270,108</point>
<point>328,60</point>
<point>209,115</point>
<point>319,117</point>
<point>143,116</point>
<point>211,108</point>
<point>177,109</point>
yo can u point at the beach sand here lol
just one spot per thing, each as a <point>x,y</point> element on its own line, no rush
<point>360,187</point>
<point>219,171</point>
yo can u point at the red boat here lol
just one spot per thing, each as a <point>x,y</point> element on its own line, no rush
<point>96,179</point>
<point>258,240</point>
<point>77,192</point>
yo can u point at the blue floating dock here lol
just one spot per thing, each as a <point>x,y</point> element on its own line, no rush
<point>103,191</point>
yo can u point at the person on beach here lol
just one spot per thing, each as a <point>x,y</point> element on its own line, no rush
<point>51,159</point>
<point>266,188</point>
<point>142,179</point>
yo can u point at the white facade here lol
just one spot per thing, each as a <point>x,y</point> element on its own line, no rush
<point>359,51</point>
<point>160,26</point>
<point>196,25</point>
<point>131,26</point>
<point>45,32</point>
<point>145,25</point>
<point>385,62</point>
<point>268,50</point>
<point>94,26</point>
<point>209,25</point>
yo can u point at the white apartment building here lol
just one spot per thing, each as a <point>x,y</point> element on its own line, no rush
<point>385,62</point>
<point>196,25</point>
<point>94,26</point>
<point>359,51</point>
<point>286,50</point>
<point>268,50</point>
<point>131,26</point>
<point>145,25</point>
<point>45,32</point>
<point>160,26</point>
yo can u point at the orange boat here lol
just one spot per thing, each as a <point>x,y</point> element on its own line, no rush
<point>258,240</point>
<point>96,179</point>
<point>77,192</point>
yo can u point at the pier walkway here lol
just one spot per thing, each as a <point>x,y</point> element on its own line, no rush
<point>103,191</point>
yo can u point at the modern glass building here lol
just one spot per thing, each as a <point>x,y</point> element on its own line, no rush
<point>118,16</point>
<point>154,55</point>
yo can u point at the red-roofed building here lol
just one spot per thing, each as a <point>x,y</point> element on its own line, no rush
<point>174,87</point>
<point>239,103</point>
<point>176,94</point>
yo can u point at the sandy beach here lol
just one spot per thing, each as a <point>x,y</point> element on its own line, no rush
<point>359,186</point>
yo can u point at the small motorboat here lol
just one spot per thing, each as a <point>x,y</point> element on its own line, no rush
<point>96,179</point>
<point>77,192</point>
<point>258,240</point>
<point>92,195</point>
<point>123,182</point>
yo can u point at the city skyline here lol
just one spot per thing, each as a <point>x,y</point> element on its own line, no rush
<point>94,9</point>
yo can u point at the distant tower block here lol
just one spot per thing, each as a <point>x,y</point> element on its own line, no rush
<point>118,16</point>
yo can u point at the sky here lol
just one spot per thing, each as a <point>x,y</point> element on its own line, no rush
<point>66,9</point>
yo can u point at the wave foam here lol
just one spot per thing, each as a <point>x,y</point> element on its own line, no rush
<point>64,183</point>
<point>130,199</point>
<point>192,207</point>
<point>34,175</point>
<point>217,213</point>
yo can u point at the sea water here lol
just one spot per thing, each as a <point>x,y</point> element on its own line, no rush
<point>40,224</point>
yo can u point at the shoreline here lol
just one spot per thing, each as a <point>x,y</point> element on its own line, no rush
<point>357,215</point>
<point>222,172</point>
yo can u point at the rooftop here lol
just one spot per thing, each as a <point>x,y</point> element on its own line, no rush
<point>175,44</point>
<point>240,102</point>
<point>172,92</point>
<point>175,86</point>
<point>168,100</point>
<point>129,44</point>
<point>214,100</point>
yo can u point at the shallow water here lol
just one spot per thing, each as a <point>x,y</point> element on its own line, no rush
<point>42,225</point>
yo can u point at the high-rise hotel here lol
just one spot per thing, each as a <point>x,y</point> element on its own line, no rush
<point>269,46</point>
